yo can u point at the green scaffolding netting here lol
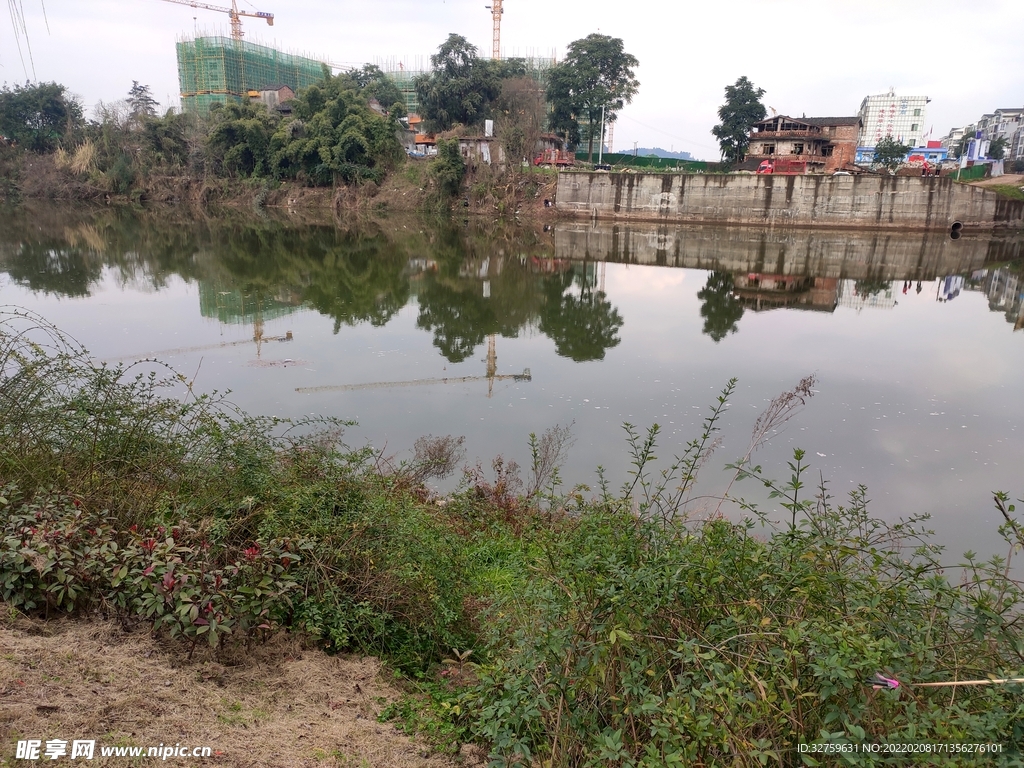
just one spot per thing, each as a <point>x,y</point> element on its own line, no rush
<point>219,70</point>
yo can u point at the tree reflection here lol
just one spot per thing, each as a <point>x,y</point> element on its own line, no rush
<point>460,320</point>
<point>581,321</point>
<point>469,282</point>
<point>53,267</point>
<point>721,310</point>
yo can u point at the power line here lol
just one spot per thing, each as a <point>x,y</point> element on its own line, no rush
<point>670,135</point>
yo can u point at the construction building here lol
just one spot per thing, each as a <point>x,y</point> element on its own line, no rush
<point>220,70</point>
<point>900,117</point>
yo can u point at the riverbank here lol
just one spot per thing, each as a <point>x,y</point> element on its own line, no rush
<point>407,189</point>
<point>178,515</point>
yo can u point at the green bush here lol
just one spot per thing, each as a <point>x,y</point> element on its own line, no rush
<point>381,572</point>
<point>56,556</point>
<point>448,168</point>
<point>658,638</point>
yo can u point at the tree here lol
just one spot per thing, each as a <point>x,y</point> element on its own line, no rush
<point>721,310</point>
<point>462,86</point>
<point>741,110</point>
<point>890,154</point>
<point>997,148</point>
<point>141,102</point>
<point>375,83</point>
<point>519,112</point>
<point>334,136</point>
<point>596,73</point>
<point>40,117</point>
<point>240,137</point>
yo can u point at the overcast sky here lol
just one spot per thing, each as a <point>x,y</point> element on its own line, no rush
<point>812,57</point>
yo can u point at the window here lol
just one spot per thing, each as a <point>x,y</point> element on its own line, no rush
<point>767,149</point>
<point>798,149</point>
<point>917,113</point>
<point>913,127</point>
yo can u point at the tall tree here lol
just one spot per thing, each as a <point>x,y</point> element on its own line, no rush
<point>376,84</point>
<point>462,86</point>
<point>997,148</point>
<point>597,72</point>
<point>891,154</point>
<point>39,117</point>
<point>741,110</point>
<point>334,136</point>
<point>240,138</point>
<point>141,101</point>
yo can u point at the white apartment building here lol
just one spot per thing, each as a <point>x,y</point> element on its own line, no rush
<point>1005,123</point>
<point>889,114</point>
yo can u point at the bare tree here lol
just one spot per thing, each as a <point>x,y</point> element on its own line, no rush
<point>520,118</point>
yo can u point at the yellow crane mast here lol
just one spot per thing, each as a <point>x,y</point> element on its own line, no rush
<point>233,13</point>
<point>496,11</point>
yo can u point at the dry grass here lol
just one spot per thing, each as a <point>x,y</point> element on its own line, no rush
<point>277,705</point>
<point>84,159</point>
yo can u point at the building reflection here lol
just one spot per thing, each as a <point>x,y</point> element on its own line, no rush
<point>1004,288</point>
<point>761,291</point>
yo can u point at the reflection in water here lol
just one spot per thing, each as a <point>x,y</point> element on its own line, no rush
<point>468,286</point>
<point>579,319</point>
<point>916,401</point>
<point>470,283</point>
<point>1005,291</point>
<point>721,309</point>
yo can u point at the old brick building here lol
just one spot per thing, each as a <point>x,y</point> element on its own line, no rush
<point>826,144</point>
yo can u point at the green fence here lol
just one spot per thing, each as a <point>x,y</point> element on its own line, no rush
<point>625,160</point>
<point>973,173</point>
<point>218,70</point>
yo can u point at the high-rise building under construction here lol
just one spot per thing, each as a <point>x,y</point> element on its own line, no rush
<point>219,70</point>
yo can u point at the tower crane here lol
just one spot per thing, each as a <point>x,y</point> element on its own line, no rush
<point>233,13</point>
<point>524,376</point>
<point>496,11</point>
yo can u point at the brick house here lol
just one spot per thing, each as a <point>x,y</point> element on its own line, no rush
<point>826,144</point>
<point>273,95</point>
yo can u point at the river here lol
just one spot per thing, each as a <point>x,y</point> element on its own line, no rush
<point>414,327</point>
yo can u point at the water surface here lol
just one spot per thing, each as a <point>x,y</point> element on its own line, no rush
<point>416,328</point>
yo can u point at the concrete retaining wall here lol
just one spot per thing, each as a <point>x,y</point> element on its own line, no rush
<point>877,202</point>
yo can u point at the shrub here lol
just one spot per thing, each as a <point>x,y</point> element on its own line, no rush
<point>657,639</point>
<point>448,168</point>
<point>56,556</point>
